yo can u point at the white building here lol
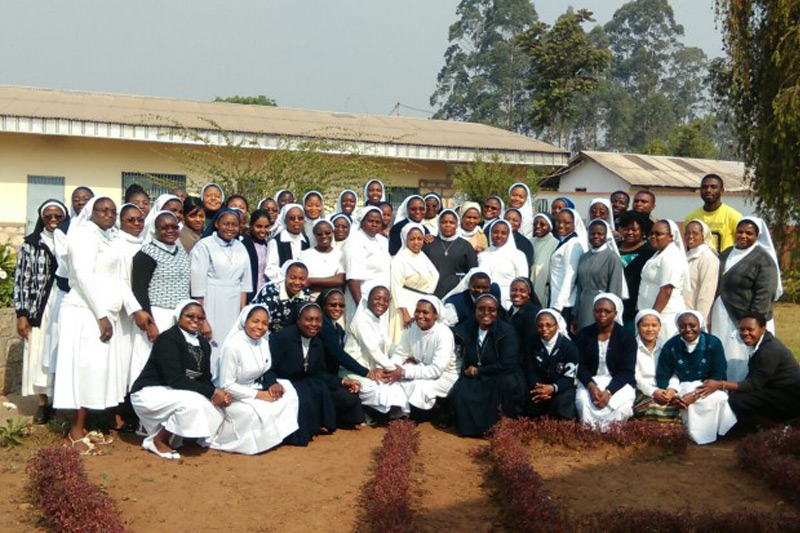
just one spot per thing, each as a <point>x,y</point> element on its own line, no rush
<point>674,180</point>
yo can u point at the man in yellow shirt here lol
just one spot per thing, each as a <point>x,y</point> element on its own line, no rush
<point>721,218</point>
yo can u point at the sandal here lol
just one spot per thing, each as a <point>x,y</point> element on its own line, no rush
<point>88,447</point>
<point>97,437</point>
<point>150,446</point>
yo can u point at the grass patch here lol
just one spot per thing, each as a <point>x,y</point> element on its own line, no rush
<point>787,319</point>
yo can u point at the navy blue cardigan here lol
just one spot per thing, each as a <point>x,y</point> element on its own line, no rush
<point>620,357</point>
<point>707,361</point>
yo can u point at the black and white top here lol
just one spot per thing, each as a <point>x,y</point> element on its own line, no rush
<point>161,275</point>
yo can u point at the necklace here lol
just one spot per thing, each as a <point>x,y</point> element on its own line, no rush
<point>447,250</point>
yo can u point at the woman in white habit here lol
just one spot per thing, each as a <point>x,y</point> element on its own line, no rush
<point>502,260</point>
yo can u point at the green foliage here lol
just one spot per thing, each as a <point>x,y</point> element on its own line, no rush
<point>482,178</point>
<point>248,100</point>
<point>565,64</point>
<point>762,85</point>
<point>8,262</point>
<point>240,167</point>
<point>483,79</point>
<point>14,430</point>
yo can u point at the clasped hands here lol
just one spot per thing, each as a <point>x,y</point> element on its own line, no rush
<point>671,397</point>
<point>600,398</point>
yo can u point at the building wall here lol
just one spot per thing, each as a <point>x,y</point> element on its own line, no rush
<point>591,177</point>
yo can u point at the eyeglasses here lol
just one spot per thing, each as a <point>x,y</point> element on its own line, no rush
<point>194,317</point>
<point>53,215</point>
<point>334,305</point>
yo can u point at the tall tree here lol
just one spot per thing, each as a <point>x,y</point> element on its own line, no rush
<point>565,65</point>
<point>483,76</point>
<point>762,42</point>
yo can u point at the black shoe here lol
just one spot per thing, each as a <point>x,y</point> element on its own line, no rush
<point>42,415</point>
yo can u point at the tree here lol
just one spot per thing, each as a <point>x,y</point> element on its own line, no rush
<point>483,79</point>
<point>248,100</point>
<point>482,178</point>
<point>762,43</point>
<point>565,65</point>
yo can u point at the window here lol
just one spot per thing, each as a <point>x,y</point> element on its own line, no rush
<point>396,195</point>
<point>154,183</point>
<point>41,189</point>
<point>541,206</point>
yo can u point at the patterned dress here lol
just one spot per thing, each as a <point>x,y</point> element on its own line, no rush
<point>279,304</point>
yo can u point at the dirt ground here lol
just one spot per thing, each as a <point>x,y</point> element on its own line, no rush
<point>317,488</point>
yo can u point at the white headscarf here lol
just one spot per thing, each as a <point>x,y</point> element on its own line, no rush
<point>46,235</point>
<point>363,308</point>
<point>285,269</point>
<point>607,204</point>
<point>510,244</point>
<point>677,241</point>
<point>360,213</point>
<point>72,213</point>
<point>242,339</point>
<point>502,208</point>
<point>339,200</point>
<point>526,211</point>
<point>158,207</point>
<point>614,299</point>
<point>579,228</point>
<point>84,218</point>
<point>707,244</point>
<point>183,304</point>
<point>562,324</point>
<point>643,313</point>
<point>458,224</point>
<point>436,303</point>
<point>118,223</point>
<point>764,240</point>
<point>278,194</point>
<point>406,230</point>
<point>149,231</point>
<point>370,182</point>
<point>463,209</point>
<point>402,211</point>
<point>463,284</point>
<point>203,192</point>
<point>280,225</point>
<point>612,244</point>
<point>697,314</point>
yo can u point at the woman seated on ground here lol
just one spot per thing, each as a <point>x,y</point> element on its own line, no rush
<point>771,389</point>
<point>281,295</point>
<point>333,336</point>
<point>693,356</point>
<point>324,261</point>
<point>648,327</point>
<point>369,344</point>
<point>174,394</point>
<point>427,367</point>
<point>256,420</point>
<point>607,366</point>
<point>524,306</point>
<point>299,357</point>
<point>460,302</point>
<point>550,365</point>
<point>490,382</point>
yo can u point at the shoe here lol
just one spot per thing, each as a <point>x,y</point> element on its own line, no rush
<point>42,415</point>
<point>150,446</point>
<point>86,446</point>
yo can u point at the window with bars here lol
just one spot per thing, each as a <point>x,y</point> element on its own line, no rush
<point>155,183</point>
<point>396,195</point>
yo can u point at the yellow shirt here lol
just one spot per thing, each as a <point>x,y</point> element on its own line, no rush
<point>722,222</point>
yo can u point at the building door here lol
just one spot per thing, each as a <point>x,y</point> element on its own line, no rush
<point>41,189</point>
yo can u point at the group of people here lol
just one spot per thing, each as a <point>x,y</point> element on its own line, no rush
<point>197,317</point>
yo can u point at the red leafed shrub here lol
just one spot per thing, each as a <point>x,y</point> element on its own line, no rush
<point>527,504</point>
<point>68,501</point>
<point>575,435</point>
<point>386,498</point>
<point>636,521</point>
<point>774,456</point>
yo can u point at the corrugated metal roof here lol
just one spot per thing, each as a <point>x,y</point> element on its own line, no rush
<point>663,171</point>
<point>138,111</point>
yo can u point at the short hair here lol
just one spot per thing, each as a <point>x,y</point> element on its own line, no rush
<point>237,197</point>
<point>629,217</point>
<point>479,275</point>
<point>713,177</point>
<point>382,204</point>
<point>191,203</point>
<point>648,193</point>
<point>628,196</point>
<point>755,315</point>
<point>133,189</point>
<point>258,213</point>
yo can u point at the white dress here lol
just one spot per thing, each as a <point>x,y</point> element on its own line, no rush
<point>127,245</point>
<point>322,265</point>
<point>51,331</point>
<point>365,258</point>
<point>665,268</point>
<point>436,369</point>
<point>503,265</point>
<point>563,274</point>
<point>368,343</point>
<point>619,407</point>
<point>706,417</point>
<point>89,373</point>
<point>220,274</point>
<point>251,425</point>
<point>412,275</point>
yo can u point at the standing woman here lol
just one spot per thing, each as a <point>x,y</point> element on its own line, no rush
<point>374,192</point>
<point>544,244</point>
<point>564,262</point>
<point>470,229</point>
<point>34,297</point>
<point>284,197</point>
<point>502,260</point>
<point>703,267</point>
<point>607,368</point>
<point>174,394</point>
<point>256,243</point>
<point>490,380</point>
<point>559,204</point>
<point>412,210</point>
<point>452,255</point>
<point>749,281</point>
<point>324,261</point>
<point>271,207</point>
<point>493,209</point>
<point>289,240</point>
<point>412,275</point>
<point>167,202</point>
<point>433,206</point>
<point>87,376</point>
<point>634,252</point>
<point>313,210</point>
<point>519,197</point>
<point>365,257</point>
<point>212,197</point>
<point>136,195</point>
<point>257,419</point>
<point>347,202</point>
<point>299,357</point>
<point>341,229</point>
<point>220,275</point>
<point>194,222</point>
<point>599,270</point>
<point>665,277</point>
<point>514,217</point>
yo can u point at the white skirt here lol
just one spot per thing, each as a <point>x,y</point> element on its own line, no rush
<point>736,352</point>
<point>51,332</point>
<point>382,396</point>
<point>141,346</point>
<point>707,417</point>
<point>422,393</point>
<point>222,307</point>
<point>181,412</point>
<point>88,369</point>
<point>36,376</point>
<point>619,408</point>
<point>254,426</point>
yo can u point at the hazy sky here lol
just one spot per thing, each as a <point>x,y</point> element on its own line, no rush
<point>343,55</point>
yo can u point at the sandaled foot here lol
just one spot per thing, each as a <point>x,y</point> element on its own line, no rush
<point>97,437</point>
<point>150,446</point>
<point>83,446</point>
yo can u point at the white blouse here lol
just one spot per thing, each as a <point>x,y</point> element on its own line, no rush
<point>664,268</point>
<point>434,351</point>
